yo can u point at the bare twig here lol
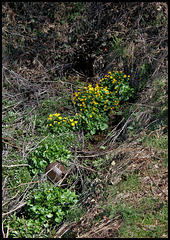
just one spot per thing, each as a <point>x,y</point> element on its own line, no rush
<point>11,198</point>
<point>18,165</point>
<point>15,209</point>
<point>5,235</point>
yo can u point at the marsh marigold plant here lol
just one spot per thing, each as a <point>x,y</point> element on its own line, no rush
<point>118,83</point>
<point>95,102</point>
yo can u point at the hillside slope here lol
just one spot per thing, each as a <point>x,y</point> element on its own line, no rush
<point>117,183</point>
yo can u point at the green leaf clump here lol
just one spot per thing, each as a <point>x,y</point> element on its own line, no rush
<point>46,208</point>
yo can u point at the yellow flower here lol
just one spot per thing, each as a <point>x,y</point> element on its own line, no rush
<point>75,122</point>
<point>90,116</point>
<point>50,119</point>
<point>58,122</point>
<point>72,124</point>
<point>109,72</point>
<point>128,76</point>
<point>71,120</point>
<point>111,77</point>
<point>60,118</point>
<point>125,76</point>
<point>50,124</point>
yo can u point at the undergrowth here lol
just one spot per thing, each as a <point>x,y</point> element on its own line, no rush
<point>85,84</point>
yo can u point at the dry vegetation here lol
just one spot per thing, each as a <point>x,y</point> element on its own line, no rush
<point>46,56</point>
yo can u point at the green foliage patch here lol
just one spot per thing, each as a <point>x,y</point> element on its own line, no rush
<point>50,150</point>
<point>50,204</point>
<point>47,207</point>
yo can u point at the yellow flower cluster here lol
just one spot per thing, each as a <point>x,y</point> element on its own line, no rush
<point>112,76</point>
<point>91,97</point>
<point>54,115</point>
<point>57,120</point>
<point>112,81</point>
<point>72,122</point>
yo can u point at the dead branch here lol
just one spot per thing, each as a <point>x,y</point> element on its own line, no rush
<point>15,209</point>
<point>18,165</point>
